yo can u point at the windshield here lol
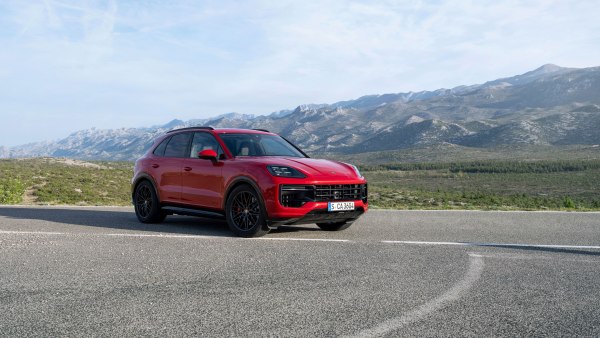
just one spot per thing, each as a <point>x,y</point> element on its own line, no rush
<point>259,145</point>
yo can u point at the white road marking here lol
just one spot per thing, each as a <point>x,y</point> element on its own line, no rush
<point>484,211</point>
<point>540,256</point>
<point>157,235</point>
<point>100,234</point>
<point>454,293</point>
<point>31,232</point>
<point>506,245</point>
<point>303,239</point>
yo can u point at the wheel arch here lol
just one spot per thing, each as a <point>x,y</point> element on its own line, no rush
<point>247,181</point>
<point>144,177</point>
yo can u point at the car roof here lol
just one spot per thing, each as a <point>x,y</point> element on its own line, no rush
<point>241,131</point>
<point>223,130</point>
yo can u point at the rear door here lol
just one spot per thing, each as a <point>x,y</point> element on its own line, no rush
<point>169,166</point>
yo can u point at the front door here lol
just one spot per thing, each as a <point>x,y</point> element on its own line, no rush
<point>202,180</point>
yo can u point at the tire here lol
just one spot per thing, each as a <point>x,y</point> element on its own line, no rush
<point>147,206</point>
<point>244,213</point>
<point>334,226</point>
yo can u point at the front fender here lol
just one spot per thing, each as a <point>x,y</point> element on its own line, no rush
<point>244,180</point>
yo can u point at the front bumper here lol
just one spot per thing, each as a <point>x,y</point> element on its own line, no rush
<point>319,216</point>
<point>292,204</point>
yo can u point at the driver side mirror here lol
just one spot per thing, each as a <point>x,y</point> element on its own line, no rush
<point>208,154</point>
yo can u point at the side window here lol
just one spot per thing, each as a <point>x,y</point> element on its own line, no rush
<point>160,150</point>
<point>178,145</point>
<point>203,141</point>
<point>231,144</point>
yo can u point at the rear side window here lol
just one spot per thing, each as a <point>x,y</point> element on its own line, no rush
<point>178,145</point>
<point>160,150</point>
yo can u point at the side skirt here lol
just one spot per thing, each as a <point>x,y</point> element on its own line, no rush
<point>177,210</point>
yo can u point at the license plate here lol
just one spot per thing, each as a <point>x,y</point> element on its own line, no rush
<point>340,206</point>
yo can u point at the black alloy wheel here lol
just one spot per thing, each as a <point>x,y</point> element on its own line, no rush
<point>244,213</point>
<point>147,207</point>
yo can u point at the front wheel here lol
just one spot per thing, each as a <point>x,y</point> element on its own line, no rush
<point>244,213</point>
<point>334,226</point>
<point>147,207</point>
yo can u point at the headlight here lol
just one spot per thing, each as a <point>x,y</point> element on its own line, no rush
<point>284,171</point>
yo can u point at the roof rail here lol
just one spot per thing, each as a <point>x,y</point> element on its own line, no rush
<point>266,131</point>
<point>190,128</point>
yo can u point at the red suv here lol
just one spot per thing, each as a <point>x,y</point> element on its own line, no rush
<point>254,179</point>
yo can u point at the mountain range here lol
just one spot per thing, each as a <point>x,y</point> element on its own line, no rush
<point>550,106</point>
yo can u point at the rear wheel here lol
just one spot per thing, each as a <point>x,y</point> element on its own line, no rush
<point>244,213</point>
<point>147,206</point>
<point>334,226</point>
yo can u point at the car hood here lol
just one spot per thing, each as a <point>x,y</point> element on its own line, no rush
<point>316,167</point>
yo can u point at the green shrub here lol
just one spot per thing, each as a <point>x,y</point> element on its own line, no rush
<point>568,203</point>
<point>492,166</point>
<point>11,191</point>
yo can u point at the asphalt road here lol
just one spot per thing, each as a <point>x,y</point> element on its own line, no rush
<point>98,272</point>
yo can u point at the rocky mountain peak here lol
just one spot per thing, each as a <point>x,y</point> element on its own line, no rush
<point>173,124</point>
<point>550,105</point>
<point>545,69</point>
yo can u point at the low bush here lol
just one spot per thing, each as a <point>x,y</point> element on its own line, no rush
<point>11,191</point>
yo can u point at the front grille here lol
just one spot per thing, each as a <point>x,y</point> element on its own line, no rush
<point>298,195</point>
<point>344,192</point>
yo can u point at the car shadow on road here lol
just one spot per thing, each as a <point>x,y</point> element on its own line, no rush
<point>126,220</point>
<point>289,229</point>
<point>119,220</point>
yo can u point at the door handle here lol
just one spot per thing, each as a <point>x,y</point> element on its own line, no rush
<point>187,168</point>
<point>155,165</point>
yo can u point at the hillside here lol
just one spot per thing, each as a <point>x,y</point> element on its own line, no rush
<point>551,106</point>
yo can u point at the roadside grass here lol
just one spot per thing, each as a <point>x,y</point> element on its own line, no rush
<point>481,184</point>
<point>491,185</point>
<point>58,181</point>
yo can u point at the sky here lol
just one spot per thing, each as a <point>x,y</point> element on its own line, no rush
<point>72,65</point>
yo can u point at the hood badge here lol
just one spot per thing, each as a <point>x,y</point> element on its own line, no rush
<point>332,172</point>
